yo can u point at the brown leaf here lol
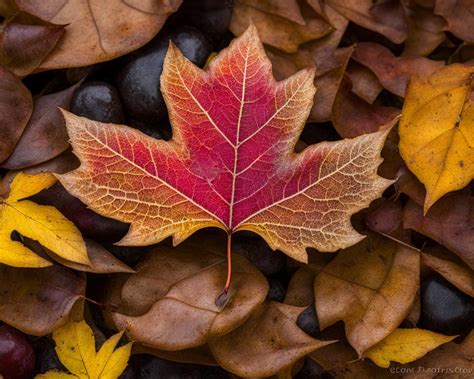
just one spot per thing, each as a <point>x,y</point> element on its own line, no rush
<point>170,303</point>
<point>330,66</point>
<point>387,218</point>
<point>341,360</point>
<point>386,17</point>
<point>289,9</point>
<point>61,164</point>
<point>364,82</point>
<point>45,136</point>
<point>23,47</point>
<point>101,30</point>
<point>353,116</point>
<point>300,291</point>
<point>269,342</point>
<point>426,29</point>
<point>38,301</point>
<point>362,283</point>
<point>451,360</point>
<point>16,106</point>
<point>101,260</point>
<point>454,272</point>
<point>450,221</point>
<point>460,17</point>
<point>278,31</point>
<point>393,72</point>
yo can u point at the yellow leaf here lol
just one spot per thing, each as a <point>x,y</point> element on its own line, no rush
<point>437,130</point>
<point>75,346</point>
<point>405,345</point>
<point>41,223</point>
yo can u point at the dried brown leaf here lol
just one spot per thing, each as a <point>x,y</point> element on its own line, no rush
<point>362,283</point>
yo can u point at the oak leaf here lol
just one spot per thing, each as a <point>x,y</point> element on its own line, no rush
<point>75,346</point>
<point>405,345</point>
<point>41,223</point>
<point>230,163</point>
<point>361,283</point>
<point>437,130</point>
<point>98,31</point>
<point>459,16</point>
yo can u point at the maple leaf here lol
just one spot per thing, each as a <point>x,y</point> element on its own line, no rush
<point>42,223</point>
<point>405,345</point>
<point>230,163</point>
<point>437,130</point>
<point>75,346</point>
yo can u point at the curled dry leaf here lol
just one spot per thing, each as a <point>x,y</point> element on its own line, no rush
<point>300,289</point>
<point>98,31</point>
<point>361,283</point>
<point>352,116</point>
<point>75,346</point>
<point>446,358</point>
<point>41,223</point>
<point>38,301</point>
<point>459,16</point>
<point>170,303</point>
<point>45,136</point>
<point>437,130</point>
<point>454,272</point>
<point>385,17</point>
<point>16,105</point>
<point>275,30</point>
<point>393,72</point>
<point>405,346</point>
<point>23,47</point>
<point>269,342</point>
<point>244,175</point>
<point>449,222</point>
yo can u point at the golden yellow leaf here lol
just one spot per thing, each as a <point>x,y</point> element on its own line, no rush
<point>75,346</point>
<point>42,223</point>
<point>405,345</point>
<point>437,130</point>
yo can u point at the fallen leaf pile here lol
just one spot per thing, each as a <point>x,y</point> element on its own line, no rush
<point>299,204</point>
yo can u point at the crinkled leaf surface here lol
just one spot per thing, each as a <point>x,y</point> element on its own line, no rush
<point>405,345</point>
<point>361,283</point>
<point>437,130</point>
<point>269,342</point>
<point>41,223</point>
<point>75,346</point>
<point>170,303</point>
<point>230,162</point>
<point>38,301</point>
<point>99,30</point>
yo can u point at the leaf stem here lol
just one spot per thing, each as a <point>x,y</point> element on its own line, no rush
<point>229,262</point>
